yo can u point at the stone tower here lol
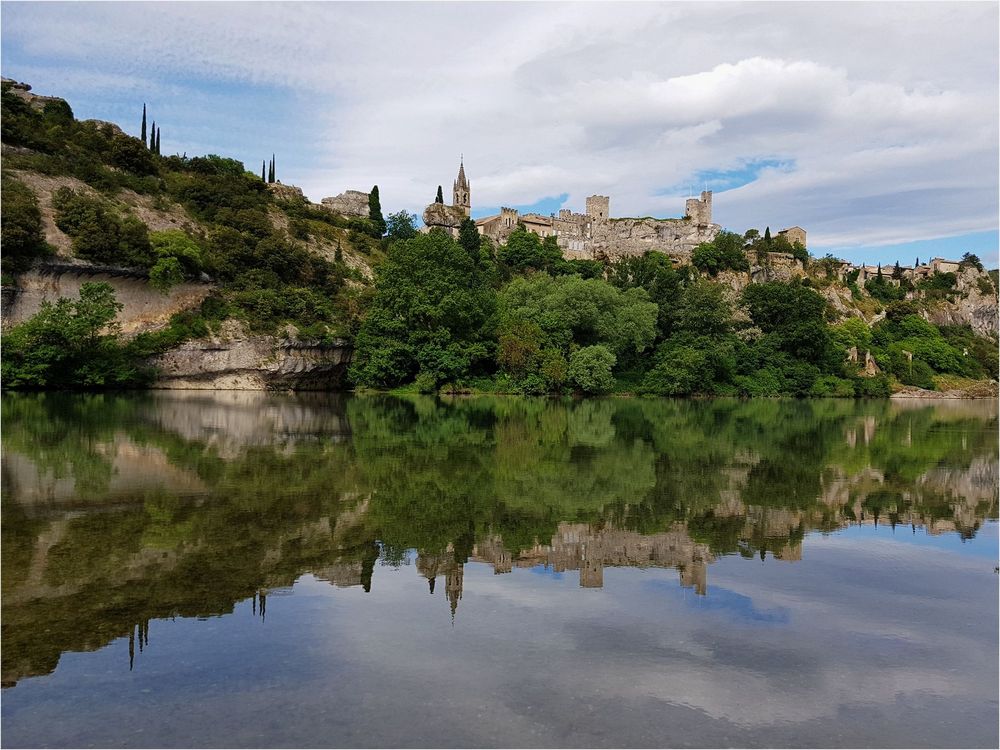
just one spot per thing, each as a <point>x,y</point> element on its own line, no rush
<point>700,209</point>
<point>598,207</point>
<point>461,192</point>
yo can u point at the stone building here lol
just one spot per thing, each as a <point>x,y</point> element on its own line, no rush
<point>593,235</point>
<point>793,235</point>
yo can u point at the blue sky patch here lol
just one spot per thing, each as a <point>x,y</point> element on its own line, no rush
<point>545,206</point>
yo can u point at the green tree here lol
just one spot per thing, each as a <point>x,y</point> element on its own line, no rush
<point>401,226</point>
<point>21,230</point>
<point>440,196</point>
<point>70,344</point>
<point>725,252</point>
<point>157,141</point>
<point>654,272</point>
<point>971,259</point>
<point>165,274</point>
<point>375,211</point>
<point>152,137</point>
<point>572,311</point>
<point>143,134</point>
<point>428,316</point>
<point>526,250</point>
<point>590,369</point>
<point>469,238</point>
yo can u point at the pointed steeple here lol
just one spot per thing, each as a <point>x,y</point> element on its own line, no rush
<point>461,192</point>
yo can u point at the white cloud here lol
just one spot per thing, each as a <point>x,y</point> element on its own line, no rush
<point>888,112</point>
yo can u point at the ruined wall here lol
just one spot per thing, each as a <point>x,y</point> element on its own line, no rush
<point>145,308</point>
<point>617,238</point>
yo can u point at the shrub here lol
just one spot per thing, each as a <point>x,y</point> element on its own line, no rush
<point>874,387</point>
<point>724,252</point>
<point>832,386</point>
<point>590,369</point>
<point>98,233</point>
<point>70,344</point>
<point>166,273</point>
<point>21,234</point>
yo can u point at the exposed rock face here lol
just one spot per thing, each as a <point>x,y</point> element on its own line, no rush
<point>236,360</point>
<point>144,308</point>
<point>617,238</point>
<point>285,192</point>
<point>973,307</point>
<point>36,101</point>
<point>444,217</point>
<point>348,203</point>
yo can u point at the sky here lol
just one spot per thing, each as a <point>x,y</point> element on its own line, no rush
<point>872,125</point>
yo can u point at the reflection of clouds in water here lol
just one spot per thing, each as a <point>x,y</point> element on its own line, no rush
<point>843,639</point>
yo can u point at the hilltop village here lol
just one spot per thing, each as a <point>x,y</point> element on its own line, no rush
<point>195,272</point>
<point>596,235</point>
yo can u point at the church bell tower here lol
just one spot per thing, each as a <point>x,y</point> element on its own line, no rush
<point>460,191</point>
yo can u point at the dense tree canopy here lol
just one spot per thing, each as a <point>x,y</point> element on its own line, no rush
<point>428,318</point>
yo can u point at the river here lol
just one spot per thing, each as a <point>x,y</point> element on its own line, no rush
<point>234,569</point>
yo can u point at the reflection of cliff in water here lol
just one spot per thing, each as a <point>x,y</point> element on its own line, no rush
<point>119,510</point>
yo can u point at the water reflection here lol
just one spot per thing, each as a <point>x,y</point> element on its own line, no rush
<point>119,510</point>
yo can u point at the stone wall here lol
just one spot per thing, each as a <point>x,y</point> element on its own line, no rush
<point>617,238</point>
<point>144,309</point>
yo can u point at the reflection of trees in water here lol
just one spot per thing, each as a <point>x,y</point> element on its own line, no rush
<point>119,509</point>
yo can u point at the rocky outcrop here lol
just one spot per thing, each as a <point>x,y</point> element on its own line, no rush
<point>612,239</point>
<point>144,309</point>
<point>23,91</point>
<point>237,360</point>
<point>286,192</point>
<point>974,306</point>
<point>444,217</point>
<point>348,203</point>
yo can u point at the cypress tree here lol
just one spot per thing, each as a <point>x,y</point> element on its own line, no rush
<point>440,196</point>
<point>469,239</point>
<point>157,141</point>
<point>143,136</point>
<point>767,237</point>
<point>375,211</point>
<point>879,274</point>
<point>270,170</point>
<point>263,170</point>
<point>152,137</point>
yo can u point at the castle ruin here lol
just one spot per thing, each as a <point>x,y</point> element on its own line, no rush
<point>593,235</point>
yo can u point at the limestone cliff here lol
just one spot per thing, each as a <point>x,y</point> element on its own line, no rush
<point>975,305</point>
<point>237,360</point>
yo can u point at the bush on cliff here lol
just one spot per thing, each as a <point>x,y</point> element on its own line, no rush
<point>21,234</point>
<point>723,253</point>
<point>71,344</point>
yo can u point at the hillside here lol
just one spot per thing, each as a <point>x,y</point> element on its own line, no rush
<point>221,279</point>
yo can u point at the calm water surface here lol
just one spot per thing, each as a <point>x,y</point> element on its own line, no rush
<point>237,569</point>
